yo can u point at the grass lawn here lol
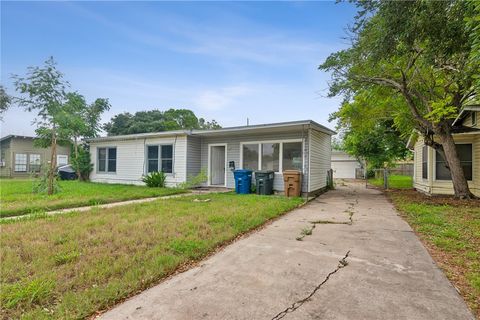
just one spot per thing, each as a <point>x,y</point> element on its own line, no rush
<point>450,229</point>
<point>17,197</point>
<point>72,265</point>
<point>394,182</point>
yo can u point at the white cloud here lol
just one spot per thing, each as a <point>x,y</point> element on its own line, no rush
<point>217,99</point>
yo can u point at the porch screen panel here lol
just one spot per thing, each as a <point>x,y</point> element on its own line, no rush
<point>292,156</point>
<point>250,156</point>
<point>271,156</point>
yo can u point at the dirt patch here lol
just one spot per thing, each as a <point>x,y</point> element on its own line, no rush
<point>418,197</point>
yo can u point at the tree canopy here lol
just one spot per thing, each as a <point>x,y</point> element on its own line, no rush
<point>415,63</point>
<point>156,121</point>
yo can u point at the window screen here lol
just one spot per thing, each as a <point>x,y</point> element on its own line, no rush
<point>250,156</point>
<point>112,160</point>
<point>102,159</point>
<point>271,156</point>
<point>464,153</point>
<point>34,163</point>
<point>292,156</point>
<point>152,158</point>
<point>160,158</point>
<point>167,158</point>
<point>20,162</point>
<point>425,162</point>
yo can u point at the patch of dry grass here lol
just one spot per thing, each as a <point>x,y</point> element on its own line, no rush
<point>70,266</point>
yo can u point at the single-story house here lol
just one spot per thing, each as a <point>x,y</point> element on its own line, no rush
<point>344,166</point>
<point>302,145</point>
<point>430,173</point>
<point>19,157</point>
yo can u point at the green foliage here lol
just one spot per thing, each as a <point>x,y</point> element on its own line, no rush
<point>380,145</point>
<point>82,163</point>
<point>156,121</point>
<point>41,184</point>
<point>413,53</point>
<point>194,181</point>
<point>155,179</point>
<point>5,100</point>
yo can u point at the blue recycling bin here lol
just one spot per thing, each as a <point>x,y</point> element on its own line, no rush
<point>243,181</point>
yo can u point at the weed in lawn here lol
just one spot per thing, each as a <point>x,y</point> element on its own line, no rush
<point>65,257</point>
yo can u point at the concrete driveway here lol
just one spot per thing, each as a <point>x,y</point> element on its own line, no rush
<point>361,261</point>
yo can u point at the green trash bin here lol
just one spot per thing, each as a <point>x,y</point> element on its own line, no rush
<point>264,181</point>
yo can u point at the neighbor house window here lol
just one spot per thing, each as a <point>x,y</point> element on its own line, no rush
<point>292,156</point>
<point>20,162</point>
<point>250,156</point>
<point>276,156</point>
<point>464,152</point>
<point>160,158</point>
<point>107,159</point>
<point>62,159</point>
<point>474,118</point>
<point>34,163</point>
<point>425,162</point>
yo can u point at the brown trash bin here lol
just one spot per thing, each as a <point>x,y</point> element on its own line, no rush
<point>292,183</point>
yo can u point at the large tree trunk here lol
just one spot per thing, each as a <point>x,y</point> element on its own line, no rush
<point>460,184</point>
<point>53,163</point>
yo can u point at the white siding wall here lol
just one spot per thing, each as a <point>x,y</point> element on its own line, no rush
<point>194,148</point>
<point>233,152</point>
<point>320,155</point>
<point>131,160</point>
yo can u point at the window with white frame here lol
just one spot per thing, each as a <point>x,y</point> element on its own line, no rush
<point>20,162</point>
<point>160,158</point>
<point>474,118</point>
<point>107,159</point>
<point>34,163</point>
<point>62,159</point>
<point>277,155</point>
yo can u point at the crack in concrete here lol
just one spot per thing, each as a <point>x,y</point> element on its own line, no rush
<point>297,304</point>
<point>350,210</point>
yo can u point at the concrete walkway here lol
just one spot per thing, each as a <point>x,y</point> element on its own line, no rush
<point>361,261</point>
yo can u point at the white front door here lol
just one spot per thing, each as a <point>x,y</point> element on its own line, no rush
<point>217,165</point>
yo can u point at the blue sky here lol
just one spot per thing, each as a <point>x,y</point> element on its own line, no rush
<point>224,60</point>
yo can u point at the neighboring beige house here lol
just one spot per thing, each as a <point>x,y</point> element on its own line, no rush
<point>19,157</point>
<point>430,174</point>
